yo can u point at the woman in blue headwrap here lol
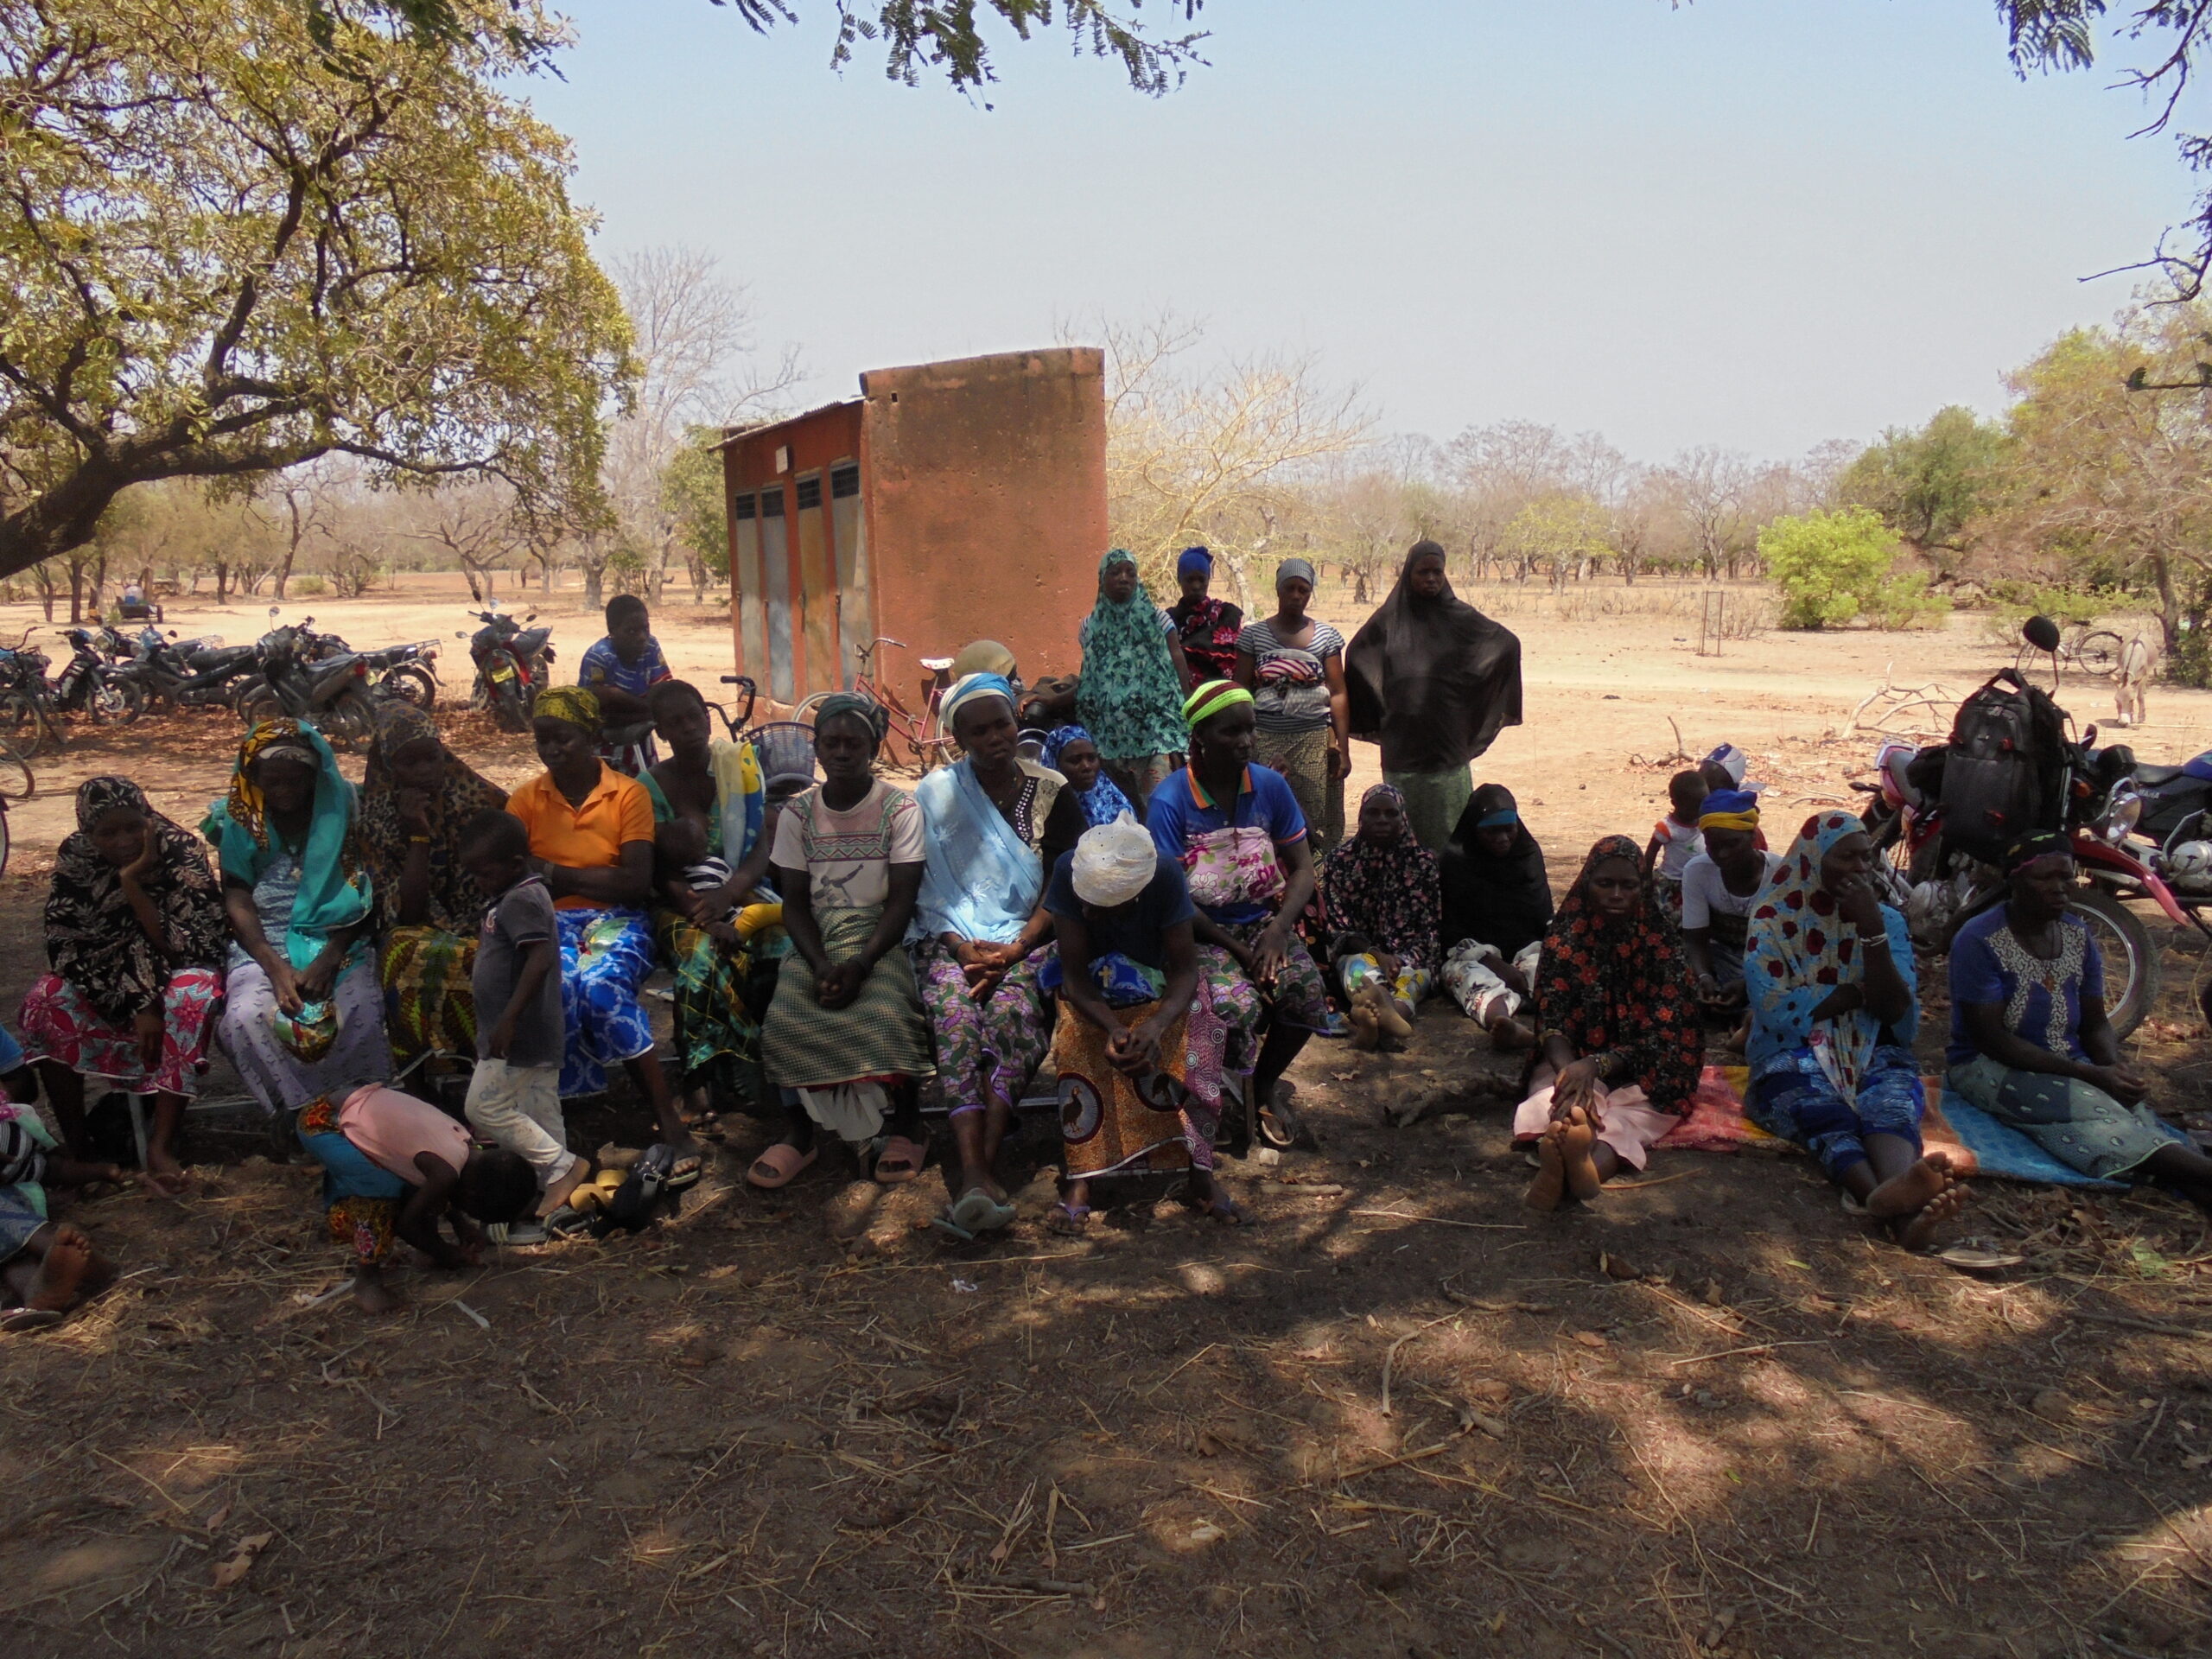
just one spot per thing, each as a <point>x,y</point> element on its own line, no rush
<point>1069,752</point>
<point>992,825</point>
<point>1208,626</point>
<point>1294,666</point>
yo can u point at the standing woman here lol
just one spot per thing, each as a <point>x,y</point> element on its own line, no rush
<point>1207,626</point>
<point>1130,694</point>
<point>591,836</point>
<point>135,934</point>
<point>304,1012</point>
<point>416,797</point>
<point>1294,666</point>
<point>1433,680</point>
<point>1620,1049</point>
<point>993,824</point>
<point>716,785</point>
<point>1829,971</point>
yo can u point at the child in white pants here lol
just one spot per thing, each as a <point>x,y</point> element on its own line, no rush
<point>514,1098</point>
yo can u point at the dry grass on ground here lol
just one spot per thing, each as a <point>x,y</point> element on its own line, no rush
<point>1707,1414</point>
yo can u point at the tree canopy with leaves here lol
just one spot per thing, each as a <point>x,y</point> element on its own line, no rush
<point>1932,484</point>
<point>240,234</point>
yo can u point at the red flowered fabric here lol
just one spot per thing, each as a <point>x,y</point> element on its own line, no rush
<point>1619,989</point>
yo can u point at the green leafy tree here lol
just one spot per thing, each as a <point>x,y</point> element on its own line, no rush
<point>1559,534</point>
<point>1834,566</point>
<point>1931,485</point>
<point>235,237</point>
<point>691,490</point>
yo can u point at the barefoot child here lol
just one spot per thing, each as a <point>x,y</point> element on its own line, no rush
<point>1620,1050</point>
<point>1675,840</point>
<point>391,1167</point>
<point>47,1267</point>
<point>514,1095</point>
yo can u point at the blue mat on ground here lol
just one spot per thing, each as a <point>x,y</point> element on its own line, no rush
<point>2004,1152</point>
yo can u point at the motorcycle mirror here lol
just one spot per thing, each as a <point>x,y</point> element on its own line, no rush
<point>172,633</point>
<point>307,621</point>
<point>533,617</point>
<point>460,633</point>
<point>2089,736</point>
<point>2041,632</point>
<point>272,610</point>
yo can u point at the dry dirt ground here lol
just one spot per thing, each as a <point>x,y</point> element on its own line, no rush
<point>1400,1416</point>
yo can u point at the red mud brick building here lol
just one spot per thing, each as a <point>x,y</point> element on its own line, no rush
<point>948,502</point>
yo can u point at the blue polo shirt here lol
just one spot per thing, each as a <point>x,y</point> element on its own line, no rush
<point>1180,811</point>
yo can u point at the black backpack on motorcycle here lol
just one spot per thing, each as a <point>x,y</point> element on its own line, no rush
<point>2005,769</point>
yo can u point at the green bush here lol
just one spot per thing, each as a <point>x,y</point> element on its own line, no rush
<point>1834,568</point>
<point>307,587</point>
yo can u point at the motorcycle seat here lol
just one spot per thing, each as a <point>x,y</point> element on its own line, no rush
<point>2152,777</point>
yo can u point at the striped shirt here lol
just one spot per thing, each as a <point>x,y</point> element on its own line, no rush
<point>1288,705</point>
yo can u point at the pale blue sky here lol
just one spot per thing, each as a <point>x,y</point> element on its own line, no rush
<point>1755,223</point>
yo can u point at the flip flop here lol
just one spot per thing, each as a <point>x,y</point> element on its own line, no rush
<point>780,1165</point>
<point>26,1319</point>
<point>977,1211</point>
<point>567,1222</point>
<point>688,1167</point>
<point>516,1232</point>
<point>945,1225</point>
<point>1974,1258</point>
<point>1068,1219</point>
<point>900,1161</point>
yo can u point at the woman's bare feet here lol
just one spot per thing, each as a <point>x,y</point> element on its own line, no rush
<point>1919,1232</point>
<point>1578,1136</point>
<point>63,1270</point>
<point>558,1191</point>
<point>164,1173</point>
<point>1550,1184</point>
<point>1910,1192</point>
<point>370,1293</point>
<point>1510,1036</point>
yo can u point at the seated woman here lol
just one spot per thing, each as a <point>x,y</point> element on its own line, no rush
<point>2030,1042</point>
<point>1719,886</point>
<point>1834,1013</point>
<point>135,937</point>
<point>416,797</point>
<point>1381,895</point>
<point>1069,752</point>
<point>845,1039</point>
<point>713,788</point>
<point>591,837</point>
<point>1498,904</point>
<point>1138,1048</point>
<point>992,824</point>
<point>1620,1049</point>
<point>1236,832</point>
<point>303,1013</point>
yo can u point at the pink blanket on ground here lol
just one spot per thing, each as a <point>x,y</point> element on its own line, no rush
<point>1715,1122</point>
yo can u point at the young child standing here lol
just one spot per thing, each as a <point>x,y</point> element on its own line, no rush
<point>1675,840</point>
<point>621,668</point>
<point>514,1098</point>
<point>391,1167</point>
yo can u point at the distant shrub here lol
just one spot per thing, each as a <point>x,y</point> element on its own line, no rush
<point>1836,567</point>
<point>310,587</point>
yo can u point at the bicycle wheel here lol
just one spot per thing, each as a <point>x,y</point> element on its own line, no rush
<point>2099,652</point>
<point>4,841</point>
<point>17,781</point>
<point>22,734</point>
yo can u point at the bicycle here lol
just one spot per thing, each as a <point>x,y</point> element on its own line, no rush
<point>927,743</point>
<point>2093,651</point>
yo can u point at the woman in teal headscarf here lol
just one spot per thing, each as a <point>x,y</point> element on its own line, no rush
<point>1130,696</point>
<point>305,1011</point>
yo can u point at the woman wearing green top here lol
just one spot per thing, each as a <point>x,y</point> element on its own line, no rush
<point>710,804</point>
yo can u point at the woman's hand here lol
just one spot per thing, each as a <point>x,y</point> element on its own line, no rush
<point>1134,1049</point>
<point>2123,1082</point>
<point>146,1026</point>
<point>837,987</point>
<point>1578,1084</point>
<point>134,873</point>
<point>1708,989</point>
<point>286,984</point>
<point>321,974</point>
<point>1268,953</point>
<point>413,806</point>
<point>1859,902</point>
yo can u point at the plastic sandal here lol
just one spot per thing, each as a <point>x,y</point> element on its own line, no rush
<point>780,1165</point>
<point>1070,1219</point>
<point>900,1161</point>
<point>26,1319</point>
<point>977,1211</point>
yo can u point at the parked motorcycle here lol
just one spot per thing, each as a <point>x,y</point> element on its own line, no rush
<point>92,685</point>
<point>329,692</point>
<point>31,706</point>
<point>512,665</point>
<point>1942,874</point>
<point>201,673</point>
<point>407,672</point>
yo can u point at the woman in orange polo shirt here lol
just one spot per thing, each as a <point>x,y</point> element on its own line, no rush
<point>591,833</point>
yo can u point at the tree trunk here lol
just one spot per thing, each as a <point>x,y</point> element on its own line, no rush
<point>2169,605</point>
<point>222,579</point>
<point>592,574</point>
<point>76,592</point>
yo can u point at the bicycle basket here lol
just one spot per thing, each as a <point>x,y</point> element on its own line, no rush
<point>786,751</point>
